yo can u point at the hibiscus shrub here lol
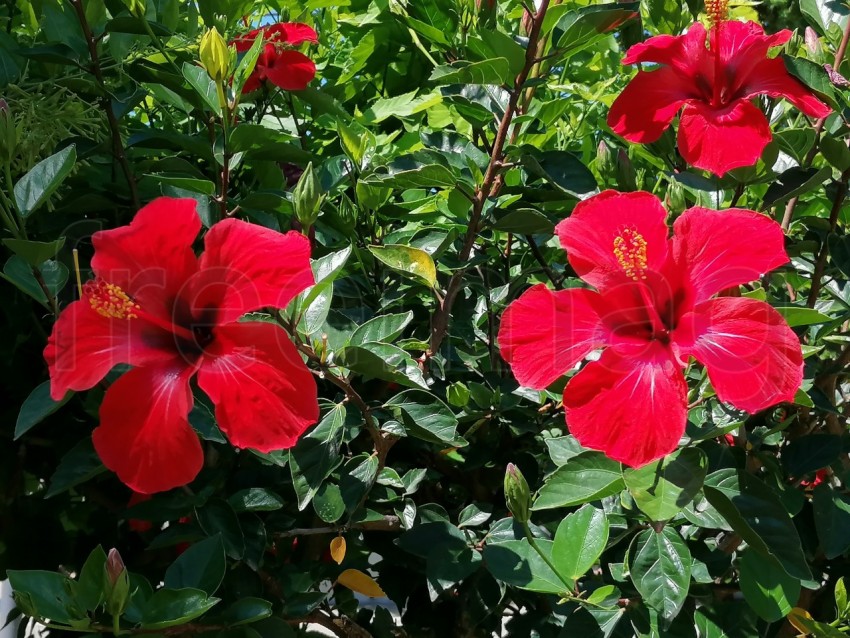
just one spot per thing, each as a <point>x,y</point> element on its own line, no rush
<point>425,317</point>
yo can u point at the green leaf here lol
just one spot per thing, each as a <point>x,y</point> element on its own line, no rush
<point>800,316</point>
<point>33,189</point>
<point>34,253</point>
<point>587,477</point>
<point>766,587</point>
<point>246,610</point>
<point>514,562</point>
<point>839,252</point>
<point>316,455</point>
<point>20,273</point>
<point>384,328</point>
<point>579,541</point>
<point>809,453</point>
<point>757,514</point>
<point>255,499</point>
<point>409,172</point>
<point>411,262</point>
<point>328,503</point>
<point>400,106</point>
<point>812,75</point>
<point>171,607</point>
<point>246,65</point>
<point>91,583</point>
<point>660,568</point>
<point>494,71</point>
<point>37,407</point>
<point>203,84</point>
<point>202,566</point>
<point>52,595</point>
<point>832,520</point>
<point>580,29</point>
<point>79,465</point>
<point>524,221</point>
<point>217,517</point>
<point>793,182</point>
<point>135,26</point>
<point>835,152</point>
<point>262,143</point>
<point>426,417</point>
<point>663,488</point>
<point>561,168</point>
<point>382,361</point>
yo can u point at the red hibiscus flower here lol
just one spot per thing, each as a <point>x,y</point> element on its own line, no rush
<point>653,308</point>
<point>720,128</point>
<point>278,63</point>
<point>157,307</point>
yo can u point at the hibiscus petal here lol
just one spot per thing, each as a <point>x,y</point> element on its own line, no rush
<point>589,233</point>
<point>246,41</point>
<point>754,359</point>
<point>721,249</point>
<point>291,70</point>
<point>264,395</point>
<point>144,434</point>
<point>85,345</point>
<point>721,140</point>
<point>633,410</point>
<point>247,267</point>
<point>293,33</point>
<point>743,45</point>
<point>687,53</point>
<point>648,104</point>
<point>544,333</point>
<point>771,78</point>
<point>152,258</point>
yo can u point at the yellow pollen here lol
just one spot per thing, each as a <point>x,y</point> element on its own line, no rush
<point>630,251</point>
<point>717,10</point>
<point>108,300</point>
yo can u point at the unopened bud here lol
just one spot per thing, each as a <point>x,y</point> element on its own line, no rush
<point>812,41</point>
<point>307,197</point>
<point>626,180</point>
<point>8,133</point>
<point>117,583</point>
<point>215,55</point>
<point>676,201</point>
<point>606,162</point>
<point>517,494</point>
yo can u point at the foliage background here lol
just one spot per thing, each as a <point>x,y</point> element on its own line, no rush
<point>420,219</point>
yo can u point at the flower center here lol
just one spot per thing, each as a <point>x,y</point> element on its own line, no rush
<point>109,300</point>
<point>716,10</point>
<point>630,251</point>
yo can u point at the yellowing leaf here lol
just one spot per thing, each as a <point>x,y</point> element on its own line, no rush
<point>413,262</point>
<point>801,619</point>
<point>360,583</point>
<point>338,549</point>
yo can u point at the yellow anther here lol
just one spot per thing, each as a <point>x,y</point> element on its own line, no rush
<point>717,10</point>
<point>108,300</point>
<point>630,251</point>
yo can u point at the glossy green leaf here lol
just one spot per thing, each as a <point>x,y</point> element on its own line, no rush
<point>660,568</point>
<point>767,588</point>
<point>172,607</point>
<point>42,180</point>
<point>35,253</point>
<point>37,407</point>
<point>201,566</point>
<point>579,541</point>
<point>661,489</point>
<point>587,477</point>
<point>411,262</point>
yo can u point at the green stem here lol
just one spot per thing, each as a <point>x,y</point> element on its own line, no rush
<point>546,559</point>
<point>116,624</point>
<point>158,44</point>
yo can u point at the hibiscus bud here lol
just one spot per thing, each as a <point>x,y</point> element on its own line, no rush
<point>117,583</point>
<point>676,202</point>
<point>517,494</point>
<point>812,41</point>
<point>215,56</point>
<point>8,133</point>
<point>307,197</point>
<point>606,163</point>
<point>626,180</point>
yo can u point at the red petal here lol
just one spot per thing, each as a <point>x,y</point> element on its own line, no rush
<point>771,78</point>
<point>85,345</point>
<point>686,53</point>
<point>291,71</point>
<point>721,249</point>
<point>721,140</point>
<point>246,41</point>
<point>543,333</point>
<point>152,258</point>
<point>247,267</point>
<point>648,104</point>
<point>293,33</point>
<point>754,359</point>
<point>588,234</point>
<point>633,410</point>
<point>743,45</point>
<point>264,395</point>
<point>144,434</point>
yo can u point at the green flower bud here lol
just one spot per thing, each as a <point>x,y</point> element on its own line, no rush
<point>8,133</point>
<point>606,162</point>
<point>517,494</point>
<point>116,583</point>
<point>676,202</point>
<point>215,55</point>
<point>626,180</point>
<point>308,198</point>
